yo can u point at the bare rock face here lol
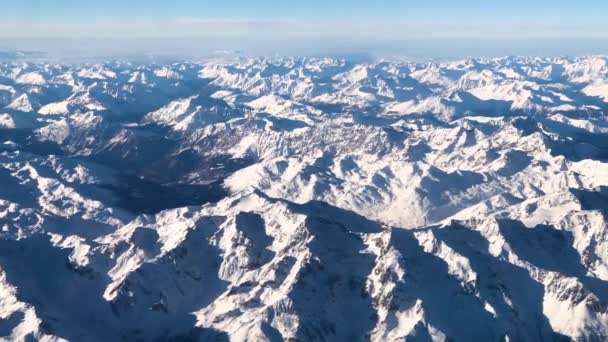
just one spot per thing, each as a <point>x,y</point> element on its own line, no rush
<point>305,199</point>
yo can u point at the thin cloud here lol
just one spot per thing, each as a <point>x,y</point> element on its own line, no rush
<point>264,28</point>
<point>231,21</point>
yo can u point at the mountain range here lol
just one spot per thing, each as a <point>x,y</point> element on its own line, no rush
<point>304,199</point>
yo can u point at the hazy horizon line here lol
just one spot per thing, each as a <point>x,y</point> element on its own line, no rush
<point>188,47</point>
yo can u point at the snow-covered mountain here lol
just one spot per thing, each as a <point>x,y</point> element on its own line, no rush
<point>305,199</point>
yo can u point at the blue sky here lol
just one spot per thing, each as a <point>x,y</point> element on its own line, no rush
<point>582,18</point>
<point>273,22</point>
<point>308,9</point>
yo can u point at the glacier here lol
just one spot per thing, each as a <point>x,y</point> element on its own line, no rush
<point>304,199</point>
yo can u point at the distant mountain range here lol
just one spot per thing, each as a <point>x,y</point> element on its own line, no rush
<point>304,199</point>
<point>12,55</point>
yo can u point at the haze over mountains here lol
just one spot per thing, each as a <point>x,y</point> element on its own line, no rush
<point>169,49</point>
<point>309,199</point>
